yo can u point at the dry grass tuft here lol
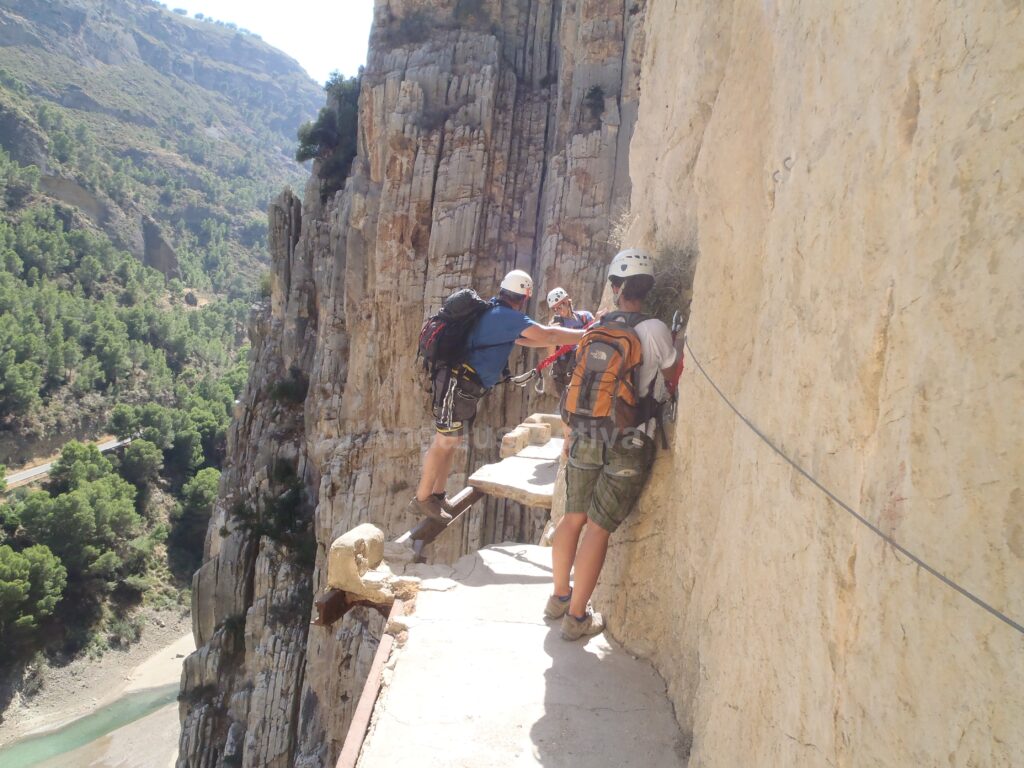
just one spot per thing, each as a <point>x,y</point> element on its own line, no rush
<point>673,288</point>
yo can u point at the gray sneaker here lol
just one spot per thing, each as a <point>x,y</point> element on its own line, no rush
<point>574,629</point>
<point>430,508</point>
<point>555,609</point>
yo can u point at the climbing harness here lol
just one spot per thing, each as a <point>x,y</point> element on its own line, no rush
<point>860,518</point>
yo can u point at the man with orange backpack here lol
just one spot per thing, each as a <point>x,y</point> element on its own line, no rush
<point>609,405</point>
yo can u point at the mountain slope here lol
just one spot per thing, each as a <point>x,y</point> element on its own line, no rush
<point>128,129</point>
<point>168,133</point>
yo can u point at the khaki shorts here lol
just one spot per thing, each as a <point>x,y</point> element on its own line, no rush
<point>603,481</point>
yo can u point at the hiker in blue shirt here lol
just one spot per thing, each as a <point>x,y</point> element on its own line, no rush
<point>458,388</point>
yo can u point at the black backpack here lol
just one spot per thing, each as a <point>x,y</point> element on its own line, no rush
<point>444,335</point>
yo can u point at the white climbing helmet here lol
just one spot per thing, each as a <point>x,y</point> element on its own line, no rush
<point>555,296</point>
<point>631,262</point>
<point>519,282</point>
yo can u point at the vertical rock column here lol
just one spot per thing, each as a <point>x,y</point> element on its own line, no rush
<point>466,123</point>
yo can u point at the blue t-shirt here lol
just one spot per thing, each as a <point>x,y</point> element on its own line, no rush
<point>492,339</point>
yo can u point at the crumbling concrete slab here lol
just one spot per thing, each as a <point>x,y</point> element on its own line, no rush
<point>528,477</point>
<point>535,430</point>
<point>483,681</point>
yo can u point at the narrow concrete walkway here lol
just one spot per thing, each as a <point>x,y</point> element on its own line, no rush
<point>483,681</point>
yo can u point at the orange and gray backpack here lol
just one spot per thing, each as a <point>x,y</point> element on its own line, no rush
<point>602,398</point>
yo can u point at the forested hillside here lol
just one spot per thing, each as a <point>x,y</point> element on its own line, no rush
<point>132,136</point>
<point>138,152</point>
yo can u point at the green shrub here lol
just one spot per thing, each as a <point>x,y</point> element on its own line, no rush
<point>191,519</point>
<point>142,463</point>
<point>283,472</point>
<point>332,138</point>
<point>472,14</point>
<point>123,631</point>
<point>31,584</point>
<point>412,29</point>
<point>593,103</point>
<point>199,693</point>
<point>136,585</point>
<point>291,389</point>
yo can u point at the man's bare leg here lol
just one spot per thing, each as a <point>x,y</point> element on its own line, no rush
<point>437,463</point>
<point>441,481</point>
<point>587,565</point>
<point>563,549</point>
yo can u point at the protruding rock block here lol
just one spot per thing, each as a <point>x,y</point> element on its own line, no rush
<point>537,429</point>
<point>539,433</point>
<point>514,441</point>
<point>352,555</point>
<point>553,420</point>
<point>355,566</point>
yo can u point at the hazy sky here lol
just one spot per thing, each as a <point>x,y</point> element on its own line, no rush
<point>322,35</point>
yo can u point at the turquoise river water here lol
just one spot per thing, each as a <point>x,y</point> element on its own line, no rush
<point>35,749</point>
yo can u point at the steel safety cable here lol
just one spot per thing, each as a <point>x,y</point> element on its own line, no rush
<point>871,526</point>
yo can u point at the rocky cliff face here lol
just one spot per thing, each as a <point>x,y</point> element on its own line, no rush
<point>852,182</point>
<point>492,136</point>
<point>847,188</point>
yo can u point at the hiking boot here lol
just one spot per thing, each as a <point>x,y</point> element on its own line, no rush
<point>555,609</point>
<point>445,505</point>
<point>574,629</point>
<point>430,508</point>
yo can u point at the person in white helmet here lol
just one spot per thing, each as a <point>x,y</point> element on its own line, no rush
<point>606,471</point>
<point>560,303</point>
<point>457,389</point>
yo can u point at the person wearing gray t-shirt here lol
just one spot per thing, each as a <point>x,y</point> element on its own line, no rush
<point>604,477</point>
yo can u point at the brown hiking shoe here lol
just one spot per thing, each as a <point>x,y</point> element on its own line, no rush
<point>555,609</point>
<point>445,504</point>
<point>574,629</point>
<point>430,508</point>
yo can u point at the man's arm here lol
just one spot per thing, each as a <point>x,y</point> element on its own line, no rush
<point>548,335</point>
<point>674,371</point>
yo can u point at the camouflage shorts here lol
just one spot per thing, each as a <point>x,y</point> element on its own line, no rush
<point>604,480</point>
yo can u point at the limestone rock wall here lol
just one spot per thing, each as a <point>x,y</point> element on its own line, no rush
<point>488,141</point>
<point>852,180</point>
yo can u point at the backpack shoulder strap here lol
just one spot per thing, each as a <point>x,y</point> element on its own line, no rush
<point>632,319</point>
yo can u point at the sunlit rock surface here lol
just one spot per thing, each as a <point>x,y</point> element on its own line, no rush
<point>479,152</point>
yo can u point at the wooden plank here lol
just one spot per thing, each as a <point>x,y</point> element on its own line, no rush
<point>334,603</point>
<point>428,529</point>
<point>368,699</point>
<point>463,500</point>
<point>330,606</point>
